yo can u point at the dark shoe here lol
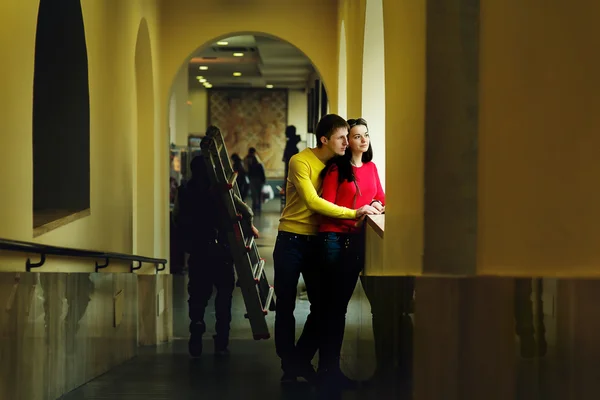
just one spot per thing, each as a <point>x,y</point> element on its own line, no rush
<point>222,352</point>
<point>307,372</point>
<point>221,349</point>
<point>288,378</point>
<point>197,329</point>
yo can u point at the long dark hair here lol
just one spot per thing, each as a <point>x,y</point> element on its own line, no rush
<point>344,166</point>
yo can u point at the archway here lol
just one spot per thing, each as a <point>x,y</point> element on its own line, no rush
<point>207,92</point>
<point>342,76</point>
<point>373,82</point>
<point>193,109</point>
<point>144,148</point>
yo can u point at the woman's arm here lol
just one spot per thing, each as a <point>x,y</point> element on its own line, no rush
<point>380,195</point>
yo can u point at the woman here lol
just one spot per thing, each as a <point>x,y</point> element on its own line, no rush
<point>242,178</point>
<point>351,181</point>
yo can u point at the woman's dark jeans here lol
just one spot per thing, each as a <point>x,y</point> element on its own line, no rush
<point>343,256</point>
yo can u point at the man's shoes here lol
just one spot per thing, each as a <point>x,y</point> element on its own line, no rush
<point>304,371</point>
<point>197,329</point>
<point>307,372</point>
<point>221,349</point>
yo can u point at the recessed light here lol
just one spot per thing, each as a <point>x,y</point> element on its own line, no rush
<point>206,83</point>
<point>237,74</point>
<point>203,68</point>
<point>222,43</point>
<point>208,86</point>
<point>202,80</point>
<point>199,77</point>
<point>238,54</point>
<point>269,86</point>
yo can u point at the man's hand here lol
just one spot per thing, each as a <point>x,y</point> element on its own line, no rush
<point>255,232</point>
<point>366,210</point>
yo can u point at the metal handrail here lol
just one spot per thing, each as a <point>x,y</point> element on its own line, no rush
<point>45,250</point>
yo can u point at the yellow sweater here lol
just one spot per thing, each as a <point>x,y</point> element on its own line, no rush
<point>303,201</point>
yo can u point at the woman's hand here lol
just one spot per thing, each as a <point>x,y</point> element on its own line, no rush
<point>378,206</point>
<point>366,210</point>
<point>255,232</point>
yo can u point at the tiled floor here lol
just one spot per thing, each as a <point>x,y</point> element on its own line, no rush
<point>250,372</point>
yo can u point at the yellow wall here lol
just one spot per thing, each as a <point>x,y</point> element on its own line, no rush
<point>198,111</point>
<point>309,25</point>
<point>539,138</point>
<point>182,109</point>
<point>111,32</point>
<point>352,12</point>
<point>404,40</point>
<point>404,30</point>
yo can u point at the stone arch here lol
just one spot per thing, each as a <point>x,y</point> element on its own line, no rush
<point>214,39</point>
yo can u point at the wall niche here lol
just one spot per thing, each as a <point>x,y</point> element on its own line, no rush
<point>61,117</point>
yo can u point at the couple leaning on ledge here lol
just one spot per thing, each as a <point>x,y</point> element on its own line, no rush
<point>321,237</point>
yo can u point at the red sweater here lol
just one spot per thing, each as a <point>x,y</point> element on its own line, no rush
<point>343,194</point>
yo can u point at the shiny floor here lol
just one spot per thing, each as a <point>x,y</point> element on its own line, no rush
<point>252,369</point>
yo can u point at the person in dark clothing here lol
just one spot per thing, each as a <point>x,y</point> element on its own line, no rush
<point>256,173</point>
<point>242,178</point>
<point>197,214</point>
<point>291,148</point>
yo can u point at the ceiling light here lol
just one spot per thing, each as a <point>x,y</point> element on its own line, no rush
<point>208,86</point>
<point>199,77</point>
<point>206,83</point>
<point>203,68</point>
<point>222,43</point>
<point>269,86</point>
<point>237,74</point>
<point>238,54</point>
<point>202,80</point>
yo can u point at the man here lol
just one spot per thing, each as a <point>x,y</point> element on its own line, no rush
<point>197,214</point>
<point>296,249</point>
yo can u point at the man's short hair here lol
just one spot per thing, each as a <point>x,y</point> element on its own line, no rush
<point>327,125</point>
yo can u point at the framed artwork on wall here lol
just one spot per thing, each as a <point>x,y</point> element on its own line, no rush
<point>252,118</point>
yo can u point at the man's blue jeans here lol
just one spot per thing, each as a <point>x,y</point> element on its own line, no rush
<point>294,255</point>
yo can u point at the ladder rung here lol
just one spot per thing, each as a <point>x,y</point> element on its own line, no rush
<point>269,300</point>
<point>249,243</point>
<point>258,271</point>
<point>232,179</point>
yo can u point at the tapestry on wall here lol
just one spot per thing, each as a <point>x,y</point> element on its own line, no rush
<point>252,118</point>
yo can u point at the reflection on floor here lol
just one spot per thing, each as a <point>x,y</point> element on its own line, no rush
<point>252,370</point>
